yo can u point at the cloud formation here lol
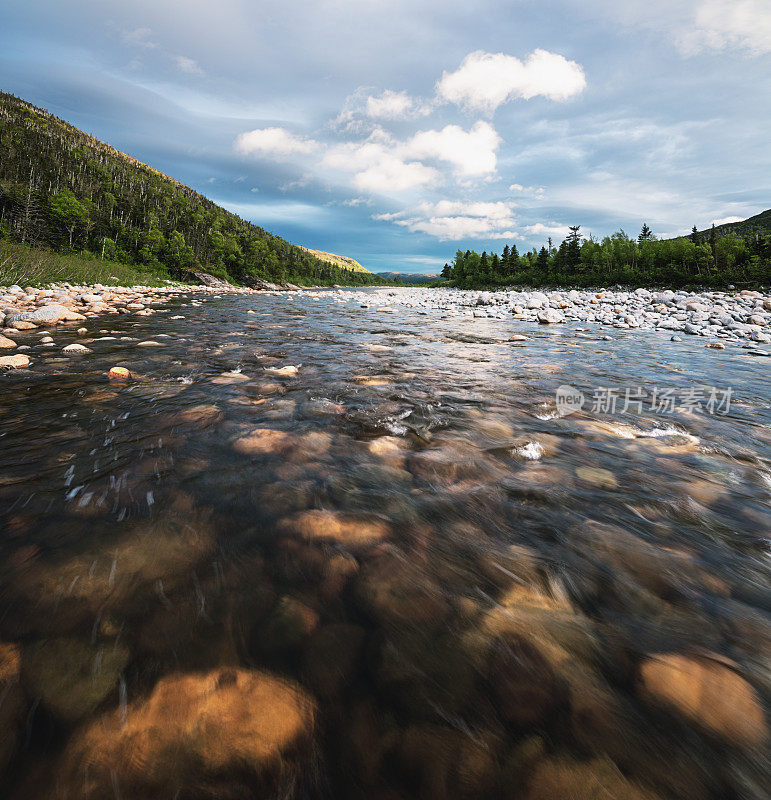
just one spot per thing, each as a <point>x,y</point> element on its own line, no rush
<point>453,220</point>
<point>484,81</point>
<point>273,142</point>
<point>729,24</point>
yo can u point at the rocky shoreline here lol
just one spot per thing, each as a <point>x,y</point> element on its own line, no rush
<point>741,318</point>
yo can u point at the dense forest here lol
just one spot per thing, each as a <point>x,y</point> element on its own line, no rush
<point>63,189</point>
<point>737,253</point>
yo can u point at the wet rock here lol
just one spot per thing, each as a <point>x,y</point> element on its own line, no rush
<point>144,563</point>
<point>199,415</point>
<point>14,362</point>
<point>46,315</point>
<point>441,763</point>
<point>708,693</point>
<point>336,574</point>
<point>72,676</point>
<point>119,374</point>
<point>12,703</point>
<point>395,591</point>
<point>286,628</point>
<point>75,349</point>
<point>549,317</point>
<point>264,441</point>
<point>333,526</point>
<point>226,733</point>
<point>527,689</point>
<point>283,372</point>
<point>331,658</point>
<point>563,778</point>
<point>603,478</point>
<point>426,674</point>
<point>6,343</point>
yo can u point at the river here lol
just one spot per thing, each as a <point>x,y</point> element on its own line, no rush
<point>318,550</point>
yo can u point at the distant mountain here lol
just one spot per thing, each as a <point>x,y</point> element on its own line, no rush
<point>63,189</point>
<point>344,262</point>
<point>409,277</point>
<point>759,224</point>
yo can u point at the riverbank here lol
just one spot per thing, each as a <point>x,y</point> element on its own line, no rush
<point>733,316</point>
<point>742,318</point>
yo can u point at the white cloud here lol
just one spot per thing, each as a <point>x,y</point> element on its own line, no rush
<point>455,220</point>
<point>389,105</point>
<point>188,65</point>
<point>485,81</point>
<point>729,24</point>
<point>273,141</point>
<point>362,110</point>
<point>139,37</point>
<point>471,152</point>
<point>378,166</point>
<point>391,174</point>
<point>554,229</point>
<point>726,220</point>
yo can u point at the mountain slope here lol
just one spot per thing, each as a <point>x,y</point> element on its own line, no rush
<point>343,262</point>
<point>63,189</point>
<point>759,224</point>
<point>409,277</point>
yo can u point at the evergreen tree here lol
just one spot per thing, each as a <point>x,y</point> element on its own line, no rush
<point>645,233</point>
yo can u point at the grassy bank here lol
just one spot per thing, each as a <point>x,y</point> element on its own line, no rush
<point>30,266</point>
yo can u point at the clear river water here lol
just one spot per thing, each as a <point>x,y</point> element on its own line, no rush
<point>325,551</point>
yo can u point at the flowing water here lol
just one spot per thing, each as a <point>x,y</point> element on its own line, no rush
<point>396,571</point>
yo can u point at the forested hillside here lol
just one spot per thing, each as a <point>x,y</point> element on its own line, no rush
<point>760,224</point>
<point>710,258</point>
<point>63,189</point>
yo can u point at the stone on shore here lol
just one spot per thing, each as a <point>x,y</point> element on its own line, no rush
<point>49,314</point>
<point>6,343</point>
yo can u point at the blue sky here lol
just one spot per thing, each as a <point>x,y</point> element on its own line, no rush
<point>397,131</point>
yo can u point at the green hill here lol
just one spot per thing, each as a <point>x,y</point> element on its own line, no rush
<point>62,189</point>
<point>343,262</point>
<point>760,224</point>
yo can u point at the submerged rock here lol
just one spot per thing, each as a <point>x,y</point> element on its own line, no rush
<point>345,529</point>
<point>12,705</point>
<point>707,692</point>
<point>226,733</point>
<point>72,676</point>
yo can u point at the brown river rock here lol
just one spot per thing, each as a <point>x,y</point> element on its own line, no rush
<point>12,703</point>
<point>331,526</point>
<point>263,441</point>
<point>229,733</point>
<point>707,692</point>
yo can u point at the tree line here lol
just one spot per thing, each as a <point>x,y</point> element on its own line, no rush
<point>63,189</point>
<point>698,259</point>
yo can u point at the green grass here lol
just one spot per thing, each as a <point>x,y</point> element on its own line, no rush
<point>29,266</point>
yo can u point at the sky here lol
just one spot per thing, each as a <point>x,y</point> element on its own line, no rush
<point>398,131</point>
